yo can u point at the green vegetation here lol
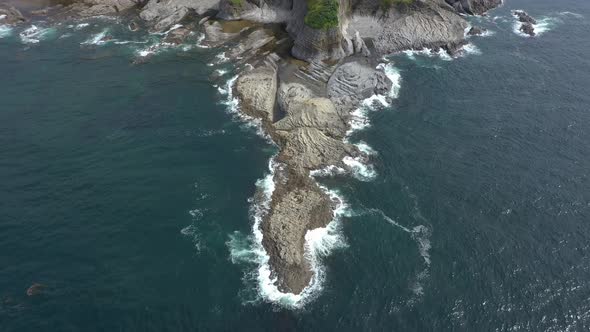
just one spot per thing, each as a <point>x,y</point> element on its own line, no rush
<point>322,14</point>
<point>237,3</point>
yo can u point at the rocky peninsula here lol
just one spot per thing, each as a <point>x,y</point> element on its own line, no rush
<point>305,66</point>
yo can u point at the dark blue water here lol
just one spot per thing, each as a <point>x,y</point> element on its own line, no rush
<point>121,185</point>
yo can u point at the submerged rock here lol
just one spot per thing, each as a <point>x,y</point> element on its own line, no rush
<point>36,289</point>
<point>476,31</point>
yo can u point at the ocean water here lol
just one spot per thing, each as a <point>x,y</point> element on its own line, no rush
<point>127,177</point>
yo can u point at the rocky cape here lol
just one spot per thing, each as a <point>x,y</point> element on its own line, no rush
<point>302,82</point>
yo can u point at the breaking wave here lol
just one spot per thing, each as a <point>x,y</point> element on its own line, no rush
<point>359,120</point>
<point>5,31</point>
<point>35,34</point>
<point>319,243</point>
<point>97,39</point>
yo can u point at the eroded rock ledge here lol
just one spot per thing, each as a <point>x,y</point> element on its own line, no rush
<point>305,107</point>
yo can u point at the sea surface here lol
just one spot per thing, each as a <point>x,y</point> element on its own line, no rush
<point>127,177</point>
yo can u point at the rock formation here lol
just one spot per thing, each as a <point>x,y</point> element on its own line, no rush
<point>309,130</point>
<point>305,108</point>
<point>527,22</point>
<point>10,15</point>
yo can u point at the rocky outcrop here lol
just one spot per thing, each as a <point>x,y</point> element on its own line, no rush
<point>428,25</point>
<point>474,7</point>
<point>257,91</point>
<point>527,22</point>
<point>10,15</point>
<point>163,14</point>
<point>87,8</point>
<point>310,131</point>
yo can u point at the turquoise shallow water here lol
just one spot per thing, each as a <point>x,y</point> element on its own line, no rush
<point>125,187</point>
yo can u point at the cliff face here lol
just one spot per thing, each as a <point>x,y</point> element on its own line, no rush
<point>391,27</point>
<point>474,7</point>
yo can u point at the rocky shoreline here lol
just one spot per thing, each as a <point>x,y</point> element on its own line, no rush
<point>302,80</point>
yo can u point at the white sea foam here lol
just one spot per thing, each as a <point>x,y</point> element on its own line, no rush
<point>566,13</point>
<point>327,171</point>
<point>470,49</point>
<point>81,26</point>
<point>97,39</point>
<point>35,34</point>
<point>233,107</point>
<point>197,214</point>
<point>544,24</point>
<point>365,148</point>
<point>200,41</point>
<point>5,31</point>
<point>2,17</point>
<point>441,54</point>
<point>221,72</point>
<point>421,235</point>
<point>360,170</point>
<point>192,232</point>
<point>394,76</point>
<point>125,42</point>
<point>318,244</point>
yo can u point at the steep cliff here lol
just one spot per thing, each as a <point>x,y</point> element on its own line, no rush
<point>334,29</point>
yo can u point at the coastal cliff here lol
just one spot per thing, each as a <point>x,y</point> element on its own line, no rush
<point>305,107</point>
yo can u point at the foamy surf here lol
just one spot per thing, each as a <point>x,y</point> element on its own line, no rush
<point>232,106</point>
<point>319,243</point>
<point>97,39</point>
<point>360,170</point>
<point>359,120</point>
<point>5,31</point>
<point>544,25</point>
<point>35,34</point>
<point>427,52</point>
<point>192,232</point>
<point>421,235</point>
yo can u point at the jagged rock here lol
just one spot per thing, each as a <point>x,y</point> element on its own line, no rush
<point>474,7</point>
<point>353,82</point>
<point>104,7</point>
<point>291,95</point>
<point>10,15</point>
<point>177,36</point>
<point>253,42</point>
<point>166,13</point>
<point>428,25</point>
<point>256,90</point>
<point>528,29</point>
<point>298,206</point>
<point>476,31</point>
<point>527,21</point>
<point>524,17</point>
<point>268,11</point>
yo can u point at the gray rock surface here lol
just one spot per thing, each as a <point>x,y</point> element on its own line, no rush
<point>10,15</point>
<point>353,82</point>
<point>166,13</point>
<point>101,7</point>
<point>426,26</point>
<point>256,90</point>
<point>474,7</point>
<point>310,136</point>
